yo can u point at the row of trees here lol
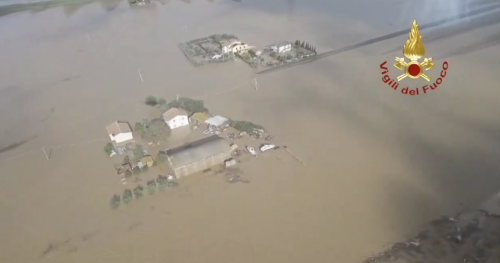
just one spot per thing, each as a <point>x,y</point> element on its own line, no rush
<point>136,171</point>
<point>188,104</point>
<point>161,183</point>
<point>305,45</point>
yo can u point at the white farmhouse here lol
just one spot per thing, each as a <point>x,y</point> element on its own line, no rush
<point>176,117</point>
<point>233,46</point>
<point>120,131</point>
<point>240,48</point>
<point>282,47</point>
<point>227,45</point>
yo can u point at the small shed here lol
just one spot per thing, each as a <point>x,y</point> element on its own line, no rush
<point>147,161</point>
<point>199,117</point>
<point>217,121</point>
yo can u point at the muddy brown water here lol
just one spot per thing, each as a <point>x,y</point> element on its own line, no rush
<point>378,164</point>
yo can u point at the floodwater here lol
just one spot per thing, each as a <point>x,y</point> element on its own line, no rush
<point>378,164</point>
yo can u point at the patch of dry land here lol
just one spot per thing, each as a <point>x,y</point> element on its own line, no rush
<point>377,164</point>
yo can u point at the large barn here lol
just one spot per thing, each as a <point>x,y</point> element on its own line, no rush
<point>198,155</point>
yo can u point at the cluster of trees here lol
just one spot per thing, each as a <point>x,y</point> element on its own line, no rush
<point>219,38</point>
<point>155,130</point>
<point>188,104</point>
<point>305,45</point>
<point>154,101</point>
<point>161,183</point>
<point>161,157</point>
<point>245,126</point>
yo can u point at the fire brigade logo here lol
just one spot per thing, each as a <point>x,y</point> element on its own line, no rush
<point>414,50</point>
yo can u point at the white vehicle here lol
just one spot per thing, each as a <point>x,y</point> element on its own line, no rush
<point>267,147</point>
<point>251,150</point>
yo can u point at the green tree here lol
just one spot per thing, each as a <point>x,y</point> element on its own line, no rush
<point>126,159</point>
<point>139,128</point>
<point>161,101</point>
<point>115,201</point>
<point>188,104</point>
<point>108,148</point>
<point>138,152</point>
<point>151,187</point>
<point>245,126</point>
<point>164,107</point>
<point>128,174</point>
<point>138,191</point>
<point>156,131</point>
<point>162,182</point>
<point>136,170</point>
<point>151,101</point>
<point>172,184</point>
<point>161,158</point>
<point>127,196</point>
<point>154,101</point>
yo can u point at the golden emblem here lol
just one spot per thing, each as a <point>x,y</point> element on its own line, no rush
<point>414,50</point>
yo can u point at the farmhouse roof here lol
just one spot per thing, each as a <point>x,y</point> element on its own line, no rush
<point>118,127</point>
<point>172,113</point>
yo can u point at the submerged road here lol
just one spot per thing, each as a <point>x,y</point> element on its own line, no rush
<point>478,11</point>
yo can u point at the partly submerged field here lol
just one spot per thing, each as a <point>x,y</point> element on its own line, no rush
<point>378,164</point>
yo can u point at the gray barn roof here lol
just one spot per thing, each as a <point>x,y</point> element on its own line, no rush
<point>197,151</point>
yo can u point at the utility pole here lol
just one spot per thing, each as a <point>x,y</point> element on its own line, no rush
<point>256,84</point>
<point>140,74</point>
<point>47,156</point>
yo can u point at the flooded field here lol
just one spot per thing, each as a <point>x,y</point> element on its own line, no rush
<point>377,164</point>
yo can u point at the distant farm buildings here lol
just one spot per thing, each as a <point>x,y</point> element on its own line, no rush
<point>119,131</point>
<point>198,155</point>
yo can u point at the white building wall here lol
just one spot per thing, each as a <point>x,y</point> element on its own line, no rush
<point>239,48</point>
<point>122,137</point>
<point>178,121</point>
<point>285,48</point>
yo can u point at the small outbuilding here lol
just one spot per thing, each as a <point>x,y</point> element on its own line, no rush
<point>199,117</point>
<point>147,161</point>
<point>217,121</point>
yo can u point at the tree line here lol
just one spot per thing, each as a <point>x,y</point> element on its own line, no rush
<point>305,45</point>
<point>161,183</point>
